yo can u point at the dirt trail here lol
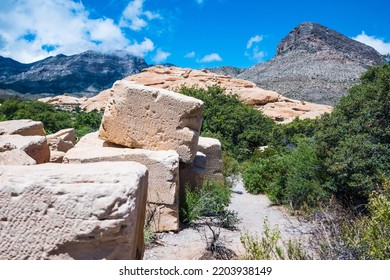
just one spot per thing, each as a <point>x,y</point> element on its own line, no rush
<point>190,243</point>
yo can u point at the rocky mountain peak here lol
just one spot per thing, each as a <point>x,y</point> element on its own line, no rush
<point>314,63</point>
<point>313,37</point>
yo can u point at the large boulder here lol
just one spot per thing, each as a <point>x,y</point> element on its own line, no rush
<point>15,157</point>
<point>22,127</point>
<point>34,146</point>
<point>192,175</point>
<point>94,212</point>
<point>156,119</point>
<point>163,166</point>
<point>212,149</point>
<point>67,134</point>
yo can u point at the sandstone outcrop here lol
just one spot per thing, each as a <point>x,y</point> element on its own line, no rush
<point>212,149</point>
<point>271,103</point>
<point>192,175</point>
<point>94,212</point>
<point>163,166</point>
<point>156,119</point>
<point>35,147</point>
<point>15,157</point>
<point>61,142</point>
<point>22,127</point>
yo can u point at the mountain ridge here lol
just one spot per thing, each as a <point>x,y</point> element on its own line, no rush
<point>314,63</point>
<point>87,73</point>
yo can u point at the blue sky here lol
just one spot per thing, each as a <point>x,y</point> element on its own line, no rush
<point>187,33</point>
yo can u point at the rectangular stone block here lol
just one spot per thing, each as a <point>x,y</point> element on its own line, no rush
<point>163,166</point>
<point>211,147</point>
<point>150,118</point>
<point>22,127</point>
<point>68,212</point>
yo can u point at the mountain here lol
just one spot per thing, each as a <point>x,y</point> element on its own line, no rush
<point>85,73</point>
<point>314,63</point>
<point>227,71</point>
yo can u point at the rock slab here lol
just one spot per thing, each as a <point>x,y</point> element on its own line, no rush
<point>149,118</point>
<point>94,212</point>
<point>22,127</point>
<point>163,166</point>
<point>211,147</point>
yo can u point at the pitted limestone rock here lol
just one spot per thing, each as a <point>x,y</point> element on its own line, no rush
<point>156,119</point>
<point>94,212</point>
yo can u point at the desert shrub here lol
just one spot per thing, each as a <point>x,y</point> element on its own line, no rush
<point>368,236</point>
<point>270,246</point>
<point>353,142</point>
<point>52,119</point>
<point>239,127</point>
<point>210,200</point>
<point>292,178</point>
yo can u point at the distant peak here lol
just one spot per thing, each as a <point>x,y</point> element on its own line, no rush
<point>313,37</point>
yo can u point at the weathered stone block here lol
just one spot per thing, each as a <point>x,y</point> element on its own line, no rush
<point>22,127</point>
<point>34,146</point>
<point>163,169</point>
<point>94,212</point>
<point>212,149</point>
<point>150,118</point>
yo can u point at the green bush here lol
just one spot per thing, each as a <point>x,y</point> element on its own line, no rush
<point>270,246</point>
<point>353,142</point>
<point>369,235</point>
<point>239,127</point>
<point>210,200</point>
<point>292,178</point>
<point>52,119</point>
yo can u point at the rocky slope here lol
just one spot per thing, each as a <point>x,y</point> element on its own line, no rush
<point>271,103</point>
<point>314,63</point>
<point>85,73</point>
<point>227,70</point>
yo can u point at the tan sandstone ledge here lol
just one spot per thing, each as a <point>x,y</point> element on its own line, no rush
<point>163,166</point>
<point>272,104</point>
<point>68,212</point>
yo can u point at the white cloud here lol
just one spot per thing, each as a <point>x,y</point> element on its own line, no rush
<point>378,44</point>
<point>253,50</point>
<point>254,39</point>
<point>160,56</point>
<point>211,58</point>
<point>141,49</point>
<point>34,29</point>
<point>134,16</point>
<point>190,55</point>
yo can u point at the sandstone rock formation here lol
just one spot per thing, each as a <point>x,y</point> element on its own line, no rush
<point>15,157</point>
<point>145,117</point>
<point>34,146</point>
<point>94,212</point>
<point>272,104</point>
<point>61,142</point>
<point>22,127</point>
<point>163,166</point>
<point>314,63</point>
<point>212,149</point>
<point>192,175</point>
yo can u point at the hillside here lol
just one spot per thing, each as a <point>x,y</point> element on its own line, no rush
<point>86,73</point>
<point>314,63</point>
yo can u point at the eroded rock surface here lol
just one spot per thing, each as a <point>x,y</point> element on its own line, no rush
<point>211,147</point>
<point>35,147</point>
<point>163,166</point>
<point>22,127</point>
<point>156,119</point>
<point>94,212</point>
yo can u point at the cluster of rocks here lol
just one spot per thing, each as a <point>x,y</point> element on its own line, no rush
<point>271,103</point>
<point>94,205</point>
